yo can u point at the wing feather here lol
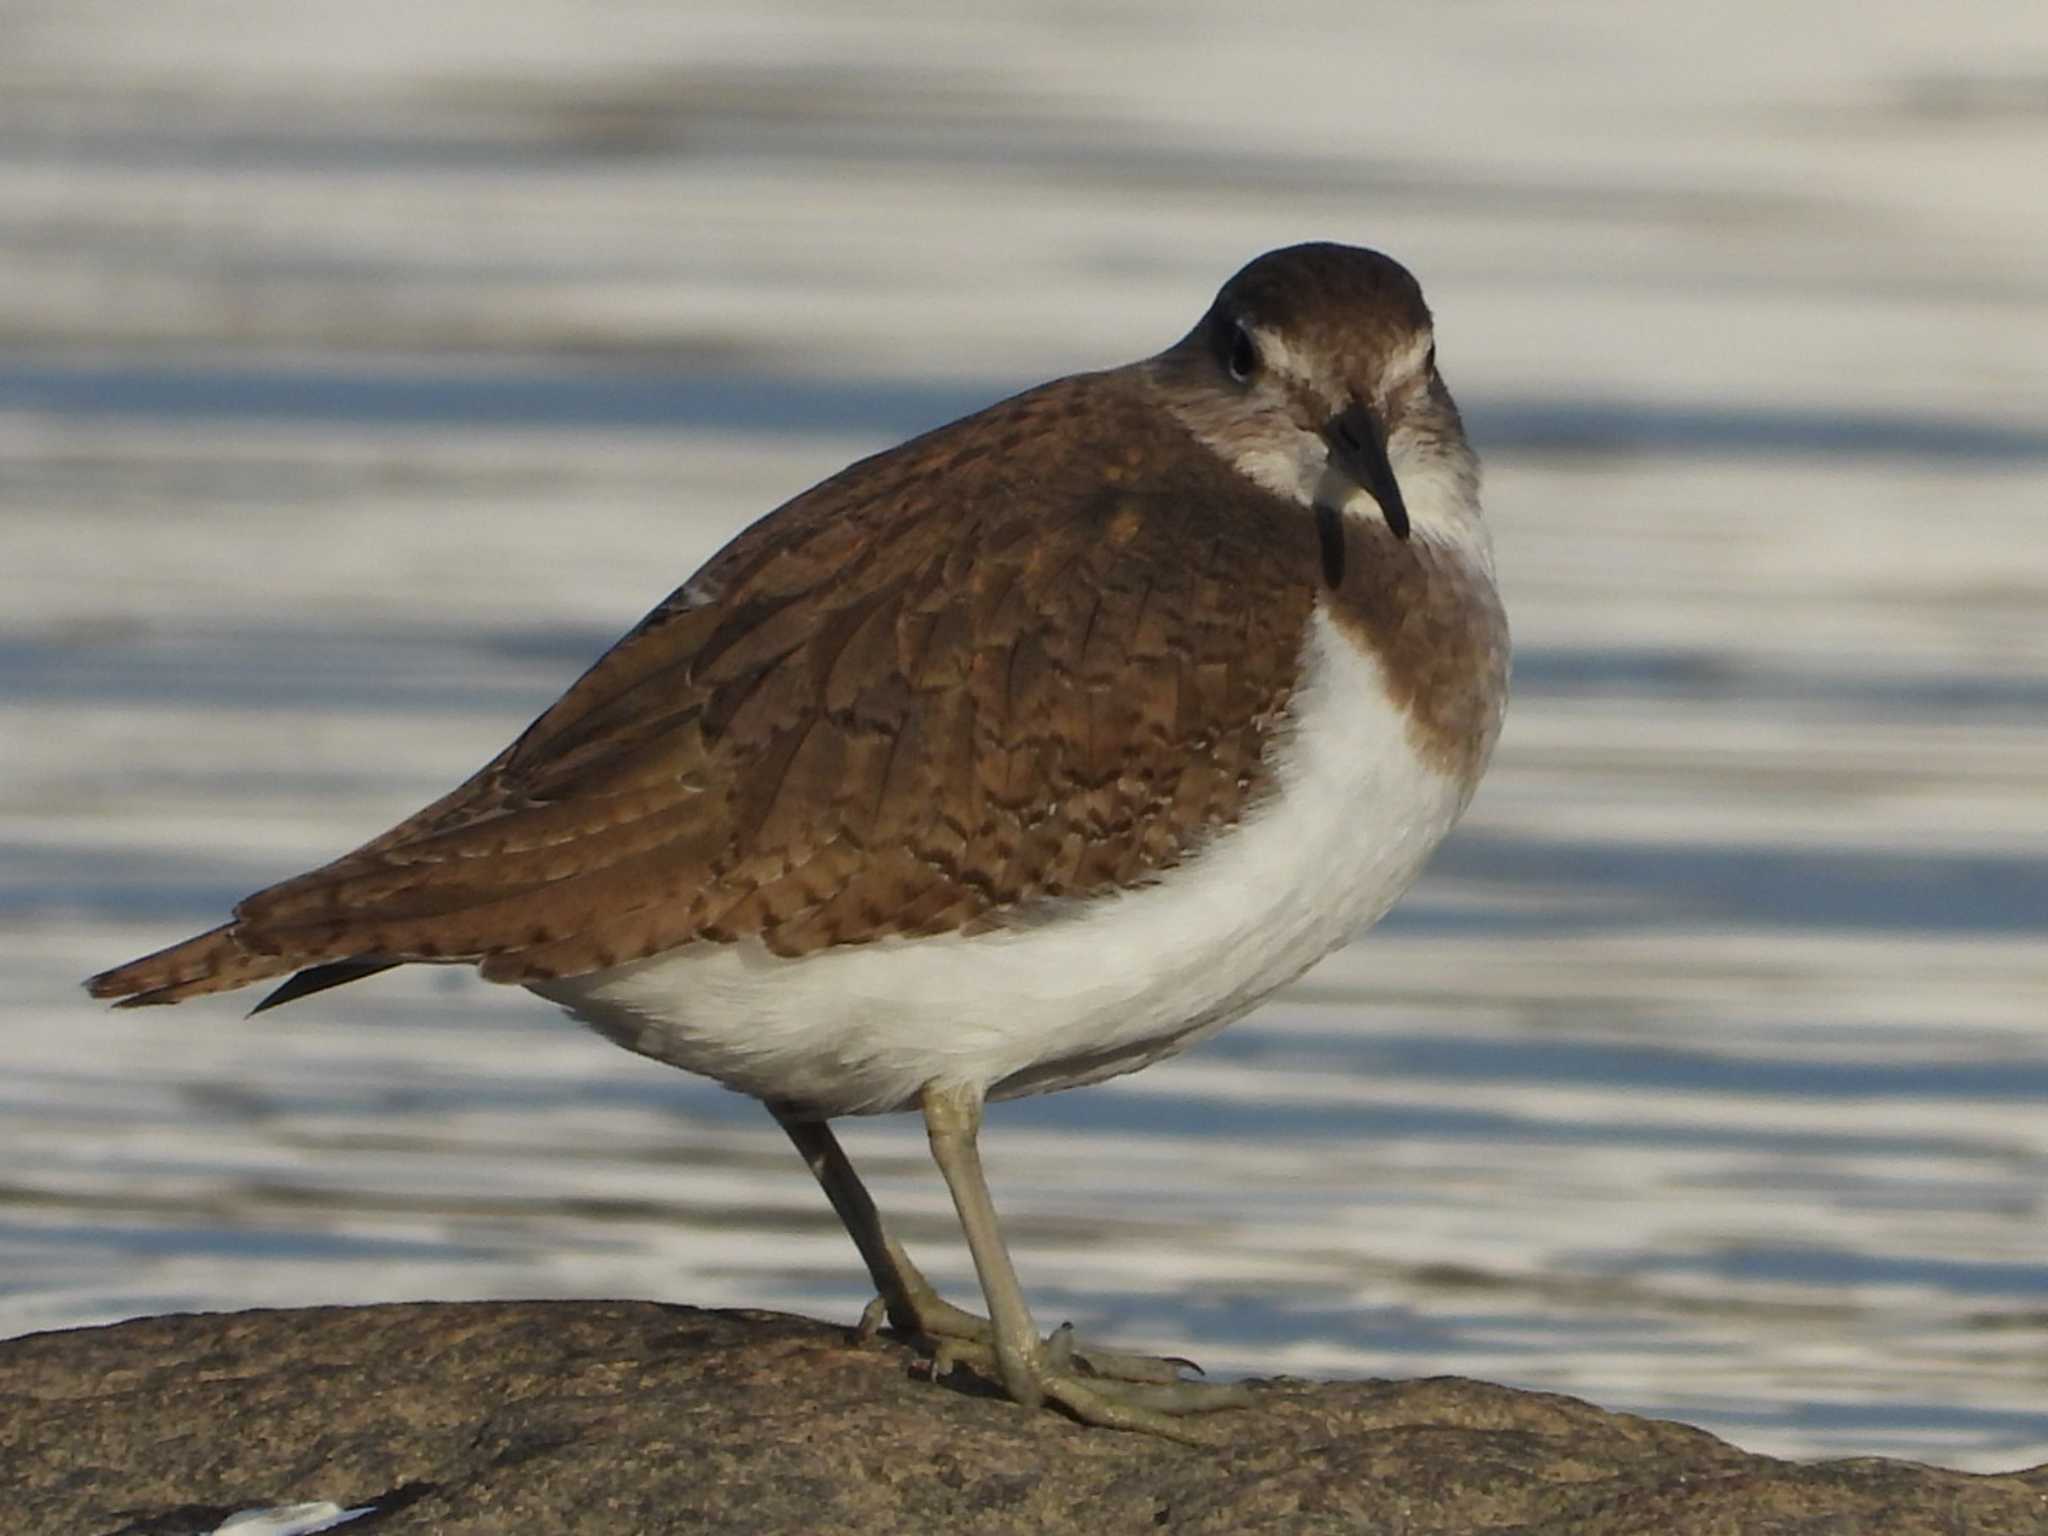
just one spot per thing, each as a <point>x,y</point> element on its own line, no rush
<point>942,687</point>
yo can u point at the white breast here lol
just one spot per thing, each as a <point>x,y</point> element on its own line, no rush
<point>1103,988</point>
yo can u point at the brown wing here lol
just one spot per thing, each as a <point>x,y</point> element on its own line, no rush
<point>1040,653</point>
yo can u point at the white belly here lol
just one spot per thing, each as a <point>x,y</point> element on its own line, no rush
<point>1113,984</point>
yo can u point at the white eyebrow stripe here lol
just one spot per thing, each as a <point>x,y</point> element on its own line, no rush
<point>1275,353</point>
<point>1410,359</point>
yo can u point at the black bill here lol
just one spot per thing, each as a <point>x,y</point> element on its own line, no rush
<point>1359,449</point>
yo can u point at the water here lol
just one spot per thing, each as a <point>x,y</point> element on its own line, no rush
<point>1704,1073</point>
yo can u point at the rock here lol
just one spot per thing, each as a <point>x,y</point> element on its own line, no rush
<point>627,1417</point>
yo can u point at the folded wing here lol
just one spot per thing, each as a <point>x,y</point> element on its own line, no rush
<point>948,686</point>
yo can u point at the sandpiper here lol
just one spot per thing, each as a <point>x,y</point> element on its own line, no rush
<point>1022,755</point>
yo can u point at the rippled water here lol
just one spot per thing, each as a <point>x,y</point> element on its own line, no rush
<point>1703,1075</point>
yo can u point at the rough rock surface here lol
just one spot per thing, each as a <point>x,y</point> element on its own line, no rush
<point>627,1417</point>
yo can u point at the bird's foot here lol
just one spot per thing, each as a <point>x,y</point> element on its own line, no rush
<point>950,1336</point>
<point>1096,1385</point>
<point>1144,1408</point>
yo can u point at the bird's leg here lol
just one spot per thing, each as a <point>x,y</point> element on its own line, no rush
<point>912,1304</point>
<point>1031,1370</point>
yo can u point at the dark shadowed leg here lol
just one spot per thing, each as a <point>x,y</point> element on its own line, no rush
<point>914,1307</point>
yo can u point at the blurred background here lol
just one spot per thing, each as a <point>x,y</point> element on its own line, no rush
<point>366,369</point>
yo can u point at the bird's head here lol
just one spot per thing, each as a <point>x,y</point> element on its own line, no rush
<point>1314,374</point>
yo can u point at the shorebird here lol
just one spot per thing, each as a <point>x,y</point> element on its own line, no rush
<point>1021,755</point>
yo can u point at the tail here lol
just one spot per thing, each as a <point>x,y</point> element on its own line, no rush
<point>215,961</point>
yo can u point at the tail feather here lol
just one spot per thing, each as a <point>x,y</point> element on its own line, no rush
<point>318,978</point>
<point>211,962</point>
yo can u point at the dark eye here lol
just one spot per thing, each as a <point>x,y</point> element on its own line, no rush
<point>1244,355</point>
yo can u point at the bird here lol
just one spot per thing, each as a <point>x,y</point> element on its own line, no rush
<point>1023,754</point>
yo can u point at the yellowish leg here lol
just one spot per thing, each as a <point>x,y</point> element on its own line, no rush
<point>1029,1371</point>
<point>912,1304</point>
